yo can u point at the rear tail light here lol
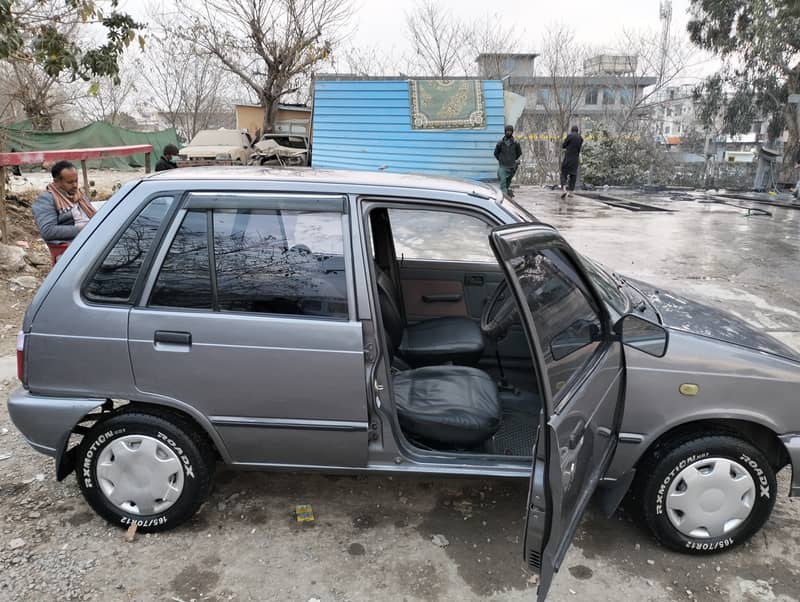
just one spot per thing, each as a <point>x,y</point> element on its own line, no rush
<point>21,355</point>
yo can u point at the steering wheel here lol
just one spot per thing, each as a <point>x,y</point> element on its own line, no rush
<point>499,313</point>
<point>300,249</point>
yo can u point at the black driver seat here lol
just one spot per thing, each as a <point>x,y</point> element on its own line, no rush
<point>435,341</point>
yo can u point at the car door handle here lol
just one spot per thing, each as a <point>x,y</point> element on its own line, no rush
<point>171,337</point>
<point>442,298</point>
<point>475,280</point>
<point>576,435</point>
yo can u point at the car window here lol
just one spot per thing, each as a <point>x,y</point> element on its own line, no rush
<point>185,276</point>
<point>280,262</point>
<point>440,235</point>
<point>565,317</point>
<point>114,280</point>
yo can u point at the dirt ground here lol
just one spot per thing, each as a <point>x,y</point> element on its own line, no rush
<point>406,538</point>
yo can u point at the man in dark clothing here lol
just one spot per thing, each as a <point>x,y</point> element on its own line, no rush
<point>569,166</point>
<point>166,161</point>
<point>507,152</point>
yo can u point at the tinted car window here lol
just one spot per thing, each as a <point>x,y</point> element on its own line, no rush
<point>565,318</point>
<point>185,277</point>
<point>114,279</point>
<point>280,262</point>
<point>440,235</point>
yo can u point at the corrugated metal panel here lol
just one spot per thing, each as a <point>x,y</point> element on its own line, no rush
<point>366,125</point>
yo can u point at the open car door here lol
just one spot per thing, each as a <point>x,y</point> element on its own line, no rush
<point>580,371</point>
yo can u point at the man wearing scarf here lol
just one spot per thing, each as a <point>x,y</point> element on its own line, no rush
<point>62,210</point>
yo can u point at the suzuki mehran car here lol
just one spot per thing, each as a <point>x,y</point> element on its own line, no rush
<point>323,320</point>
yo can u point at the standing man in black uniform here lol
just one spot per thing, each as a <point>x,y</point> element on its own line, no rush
<point>569,166</point>
<point>507,152</point>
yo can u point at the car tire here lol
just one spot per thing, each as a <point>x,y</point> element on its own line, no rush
<point>149,469</point>
<point>705,495</point>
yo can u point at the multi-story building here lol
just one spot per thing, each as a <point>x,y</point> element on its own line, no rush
<point>607,92</point>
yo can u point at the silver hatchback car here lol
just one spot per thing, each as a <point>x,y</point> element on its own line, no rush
<point>400,324</point>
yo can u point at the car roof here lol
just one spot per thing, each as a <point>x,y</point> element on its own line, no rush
<point>328,176</point>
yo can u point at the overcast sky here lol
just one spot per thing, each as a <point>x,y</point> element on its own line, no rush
<point>599,23</point>
<point>596,21</point>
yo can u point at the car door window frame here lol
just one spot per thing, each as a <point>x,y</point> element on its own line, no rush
<point>145,268</point>
<point>556,402</point>
<point>208,200</point>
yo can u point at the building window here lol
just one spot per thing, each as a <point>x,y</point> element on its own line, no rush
<point>543,96</point>
<point>591,96</point>
<point>608,96</point>
<point>625,96</point>
<point>564,96</point>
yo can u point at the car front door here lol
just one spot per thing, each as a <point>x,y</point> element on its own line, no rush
<point>580,369</point>
<point>249,319</point>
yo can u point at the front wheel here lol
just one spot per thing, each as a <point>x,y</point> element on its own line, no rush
<point>707,494</point>
<point>145,469</point>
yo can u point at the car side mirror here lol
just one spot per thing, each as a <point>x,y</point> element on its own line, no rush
<point>644,335</point>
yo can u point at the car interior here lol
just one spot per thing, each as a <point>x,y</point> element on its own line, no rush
<point>462,376</point>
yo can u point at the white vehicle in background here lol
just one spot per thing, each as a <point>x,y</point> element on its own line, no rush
<point>225,146</point>
<point>281,149</point>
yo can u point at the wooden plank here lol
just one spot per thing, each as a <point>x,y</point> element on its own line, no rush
<point>74,154</point>
<point>85,179</point>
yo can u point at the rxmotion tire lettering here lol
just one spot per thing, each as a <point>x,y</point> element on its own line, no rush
<point>104,437</point>
<point>87,460</point>
<point>668,479</point>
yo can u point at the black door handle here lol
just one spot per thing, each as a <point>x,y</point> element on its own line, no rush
<point>442,298</point>
<point>474,280</point>
<point>172,338</point>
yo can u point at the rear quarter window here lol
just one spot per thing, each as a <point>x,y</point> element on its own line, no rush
<point>114,279</point>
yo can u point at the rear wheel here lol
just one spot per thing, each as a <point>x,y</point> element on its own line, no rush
<point>707,494</point>
<point>145,469</point>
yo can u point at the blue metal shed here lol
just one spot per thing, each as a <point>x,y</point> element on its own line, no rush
<point>366,125</point>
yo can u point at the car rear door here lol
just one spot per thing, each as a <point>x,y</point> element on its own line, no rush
<point>580,370</point>
<point>248,319</point>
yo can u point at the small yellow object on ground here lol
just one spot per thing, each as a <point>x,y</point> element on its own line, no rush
<point>304,513</point>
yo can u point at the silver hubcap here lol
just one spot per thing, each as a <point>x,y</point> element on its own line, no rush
<point>710,498</point>
<point>140,474</point>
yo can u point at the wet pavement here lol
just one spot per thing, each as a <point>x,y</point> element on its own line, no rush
<point>717,253</point>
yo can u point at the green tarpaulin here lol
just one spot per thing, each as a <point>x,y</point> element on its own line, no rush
<point>95,135</point>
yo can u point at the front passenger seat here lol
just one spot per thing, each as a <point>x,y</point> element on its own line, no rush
<point>429,342</point>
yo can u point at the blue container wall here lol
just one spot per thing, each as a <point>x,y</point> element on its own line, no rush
<point>365,125</point>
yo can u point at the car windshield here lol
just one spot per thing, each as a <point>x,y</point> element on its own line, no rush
<point>218,138</point>
<point>606,285</point>
<point>288,141</point>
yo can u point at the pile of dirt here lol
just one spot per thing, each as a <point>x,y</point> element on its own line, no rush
<point>19,282</point>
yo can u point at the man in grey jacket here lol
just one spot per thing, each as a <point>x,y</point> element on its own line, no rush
<point>62,210</point>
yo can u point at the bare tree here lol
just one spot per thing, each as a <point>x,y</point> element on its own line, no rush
<point>112,101</point>
<point>188,89</point>
<point>371,60</point>
<point>271,45</point>
<point>663,58</point>
<point>487,36</point>
<point>560,91</point>
<point>438,39</point>
<point>41,97</point>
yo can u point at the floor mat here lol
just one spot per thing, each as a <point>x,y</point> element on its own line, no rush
<point>515,435</point>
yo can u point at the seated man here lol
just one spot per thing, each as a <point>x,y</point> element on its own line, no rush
<point>63,210</point>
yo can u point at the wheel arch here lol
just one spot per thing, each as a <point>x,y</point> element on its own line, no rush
<point>65,460</point>
<point>760,436</point>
